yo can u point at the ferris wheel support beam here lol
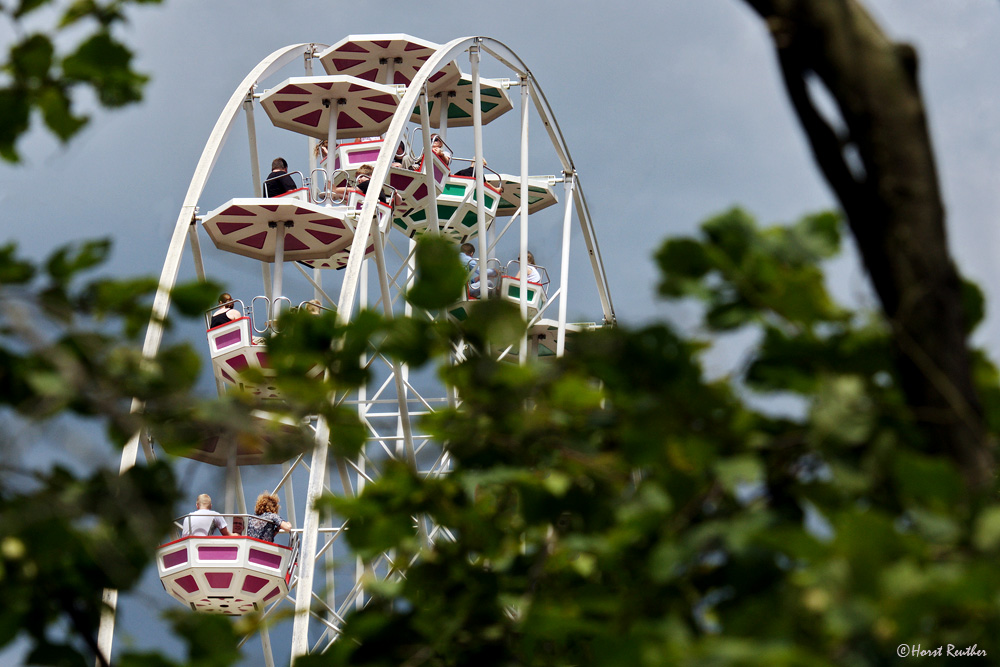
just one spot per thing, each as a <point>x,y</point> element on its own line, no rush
<point>168,278</point>
<point>252,138</point>
<point>199,264</point>
<point>331,138</point>
<point>256,182</point>
<point>310,533</point>
<point>594,252</point>
<point>477,134</point>
<point>564,267</point>
<point>425,127</point>
<point>307,59</point>
<point>597,264</point>
<point>522,353</point>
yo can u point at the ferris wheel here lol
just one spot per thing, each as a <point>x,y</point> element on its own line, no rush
<point>395,149</point>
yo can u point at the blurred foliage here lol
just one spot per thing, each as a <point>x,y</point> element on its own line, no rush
<point>616,507</point>
<point>613,507</point>
<point>69,347</point>
<point>38,79</point>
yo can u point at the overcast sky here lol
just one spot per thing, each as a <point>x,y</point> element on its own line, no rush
<point>673,111</point>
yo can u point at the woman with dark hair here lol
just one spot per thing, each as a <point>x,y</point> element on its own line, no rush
<point>226,313</point>
<point>266,523</point>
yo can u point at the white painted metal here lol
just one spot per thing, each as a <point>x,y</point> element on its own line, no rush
<point>331,141</point>
<point>279,263</point>
<point>390,69</point>
<point>199,263</point>
<point>477,133</point>
<point>310,535</point>
<point>522,353</point>
<point>255,180</point>
<point>594,252</point>
<point>307,58</point>
<point>425,126</point>
<point>564,268</point>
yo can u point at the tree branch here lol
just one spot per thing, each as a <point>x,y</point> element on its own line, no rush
<point>894,208</point>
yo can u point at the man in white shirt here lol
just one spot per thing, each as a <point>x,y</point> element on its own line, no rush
<point>203,521</point>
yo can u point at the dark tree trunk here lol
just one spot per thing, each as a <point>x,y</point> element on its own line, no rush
<point>890,195</point>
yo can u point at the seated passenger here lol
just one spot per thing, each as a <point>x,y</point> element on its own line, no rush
<point>467,254</point>
<point>439,149</point>
<point>469,171</point>
<point>278,182</point>
<point>226,313</point>
<point>361,181</point>
<point>203,521</point>
<point>266,523</point>
<point>533,275</point>
<point>403,159</point>
<point>322,150</point>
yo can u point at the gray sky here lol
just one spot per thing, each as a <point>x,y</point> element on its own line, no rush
<point>673,111</point>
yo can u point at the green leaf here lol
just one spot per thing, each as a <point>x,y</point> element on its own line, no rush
<point>819,234</point>
<point>12,269</point>
<point>683,263</point>
<point>986,535</point>
<point>31,59</point>
<point>732,232</point>
<point>973,305</point>
<point>78,10</point>
<point>494,321</point>
<point>347,433</point>
<point>106,65</point>
<point>56,110</point>
<point>194,298</point>
<point>440,275</point>
<point>27,6</point>
<point>927,480</point>
<point>63,655</point>
<point>842,411</point>
<point>737,472</point>
<point>69,260</point>
<point>15,114</point>
<point>211,640</point>
<point>121,297</point>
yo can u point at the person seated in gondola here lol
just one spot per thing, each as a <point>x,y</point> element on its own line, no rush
<point>467,254</point>
<point>469,171</point>
<point>266,522</point>
<point>203,521</point>
<point>402,159</point>
<point>322,150</point>
<point>439,148</point>
<point>278,182</point>
<point>533,275</point>
<point>362,179</point>
<point>225,313</point>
